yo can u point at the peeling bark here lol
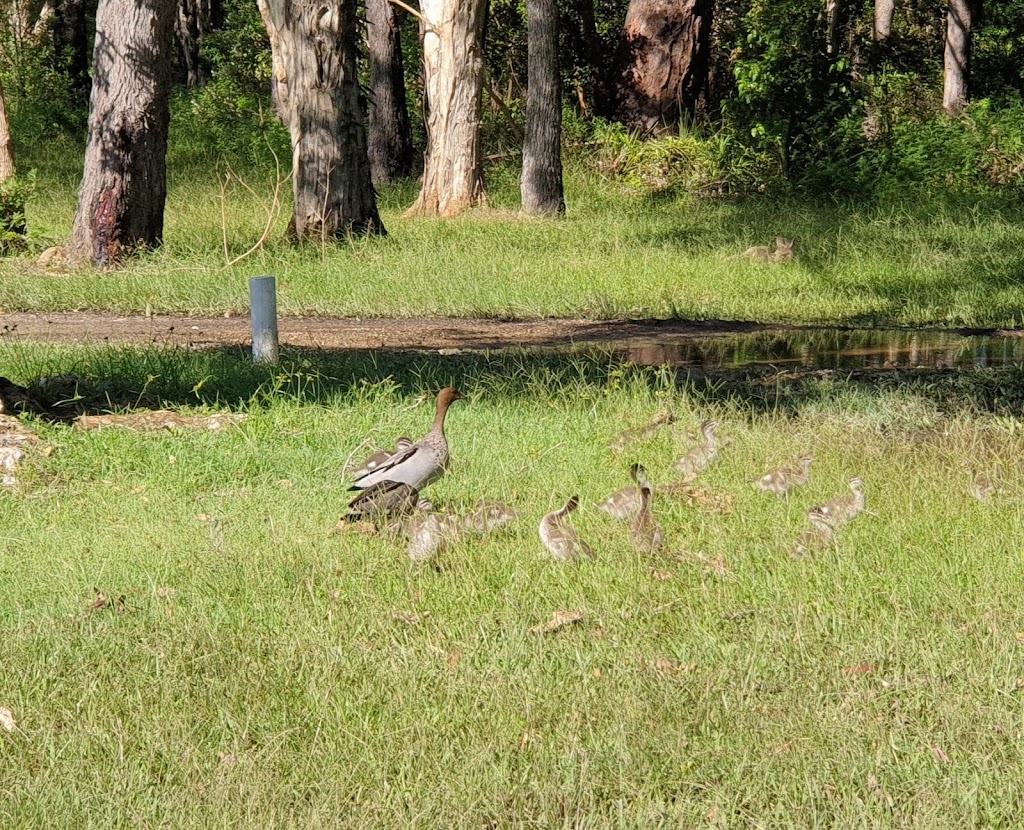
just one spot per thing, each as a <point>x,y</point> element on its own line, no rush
<point>324,113</point>
<point>452,40</point>
<point>124,185</point>
<point>7,168</point>
<point>884,11</point>
<point>662,62</point>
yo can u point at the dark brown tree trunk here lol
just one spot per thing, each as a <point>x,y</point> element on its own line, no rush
<point>390,131</point>
<point>957,57</point>
<point>662,62</point>
<point>316,45</point>
<point>453,72</point>
<point>70,39</point>
<point>542,150</point>
<point>195,20</point>
<point>599,97</point>
<point>884,10</point>
<point>121,202</point>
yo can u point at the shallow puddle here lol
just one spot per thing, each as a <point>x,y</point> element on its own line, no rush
<point>816,349</point>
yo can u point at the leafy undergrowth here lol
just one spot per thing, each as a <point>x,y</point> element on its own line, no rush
<point>185,642</point>
<point>618,253</point>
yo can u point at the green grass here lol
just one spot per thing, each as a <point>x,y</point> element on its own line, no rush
<point>261,672</point>
<point>618,253</point>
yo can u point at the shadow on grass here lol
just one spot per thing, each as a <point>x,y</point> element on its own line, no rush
<point>68,381</point>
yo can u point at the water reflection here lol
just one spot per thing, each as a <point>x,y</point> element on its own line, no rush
<point>857,349</point>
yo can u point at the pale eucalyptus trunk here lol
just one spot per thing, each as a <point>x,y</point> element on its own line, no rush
<point>390,130</point>
<point>884,11</point>
<point>957,57</point>
<point>541,184</point>
<point>124,184</point>
<point>452,40</point>
<point>316,45</point>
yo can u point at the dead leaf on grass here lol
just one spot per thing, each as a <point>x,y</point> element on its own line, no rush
<point>100,602</point>
<point>699,498</point>
<point>860,668</point>
<point>7,719</point>
<point>559,621</point>
<point>660,576</point>
<point>939,754</point>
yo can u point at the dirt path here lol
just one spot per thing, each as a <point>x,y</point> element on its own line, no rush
<point>345,333</point>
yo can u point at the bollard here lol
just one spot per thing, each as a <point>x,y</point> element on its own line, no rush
<point>263,312</point>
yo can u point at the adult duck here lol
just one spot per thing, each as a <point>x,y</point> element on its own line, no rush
<point>421,462</point>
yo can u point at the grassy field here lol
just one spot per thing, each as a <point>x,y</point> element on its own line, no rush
<point>618,253</point>
<point>262,672</point>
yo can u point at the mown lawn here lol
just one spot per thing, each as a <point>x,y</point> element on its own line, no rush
<point>618,253</point>
<point>263,672</point>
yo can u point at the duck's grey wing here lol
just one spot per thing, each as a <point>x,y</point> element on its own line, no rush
<point>405,466</point>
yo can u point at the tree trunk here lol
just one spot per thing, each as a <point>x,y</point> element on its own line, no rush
<point>331,170</point>
<point>957,57</point>
<point>278,61</point>
<point>453,74</point>
<point>6,144</point>
<point>195,20</point>
<point>599,98</point>
<point>831,25</point>
<point>662,62</point>
<point>542,151</point>
<point>121,202</point>
<point>65,22</point>
<point>390,131</point>
<point>884,10</point>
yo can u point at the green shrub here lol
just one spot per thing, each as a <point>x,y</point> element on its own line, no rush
<point>14,192</point>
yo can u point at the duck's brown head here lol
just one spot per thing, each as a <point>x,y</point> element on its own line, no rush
<point>447,396</point>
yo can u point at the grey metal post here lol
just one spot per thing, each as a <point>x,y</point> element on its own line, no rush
<point>263,312</point>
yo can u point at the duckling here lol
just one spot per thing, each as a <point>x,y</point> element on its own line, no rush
<point>487,516</point>
<point>983,488</point>
<point>430,534</point>
<point>838,510</point>
<point>781,480</point>
<point>379,457</point>
<point>384,501</point>
<point>620,441</point>
<point>812,539</point>
<point>645,530</point>
<point>560,538</point>
<point>624,502</point>
<point>701,456</point>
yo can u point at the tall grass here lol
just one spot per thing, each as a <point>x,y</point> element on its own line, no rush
<point>262,672</point>
<point>619,252</point>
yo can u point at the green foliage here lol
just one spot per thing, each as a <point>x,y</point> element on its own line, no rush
<point>14,193</point>
<point>713,165</point>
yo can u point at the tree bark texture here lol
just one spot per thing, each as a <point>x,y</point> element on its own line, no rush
<point>453,67</point>
<point>956,73</point>
<point>390,130</point>
<point>278,60</point>
<point>541,184</point>
<point>330,167</point>
<point>6,144</point>
<point>662,62</point>
<point>195,20</point>
<point>124,185</point>
<point>884,10</point>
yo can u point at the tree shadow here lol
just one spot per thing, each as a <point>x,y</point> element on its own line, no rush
<point>125,379</point>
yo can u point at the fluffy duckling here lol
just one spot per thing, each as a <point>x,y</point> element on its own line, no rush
<point>626,437</point>
<point>624,502</point>
<point>700,456</point>
<point>560,538</point>
<point>379,457</point>
<point>384,501</point>
<point>838,510</point>
<point>783,479</point>
<point>486,516</point>
<point>645,531</point>
<point>430,534</point>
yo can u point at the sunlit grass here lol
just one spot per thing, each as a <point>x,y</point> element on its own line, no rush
<point>262,672</point>
<point>617,253</point>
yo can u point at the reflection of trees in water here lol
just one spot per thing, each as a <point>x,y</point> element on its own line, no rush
<point>828,350</point>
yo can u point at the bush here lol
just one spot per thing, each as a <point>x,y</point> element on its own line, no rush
<point>14,192</point>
